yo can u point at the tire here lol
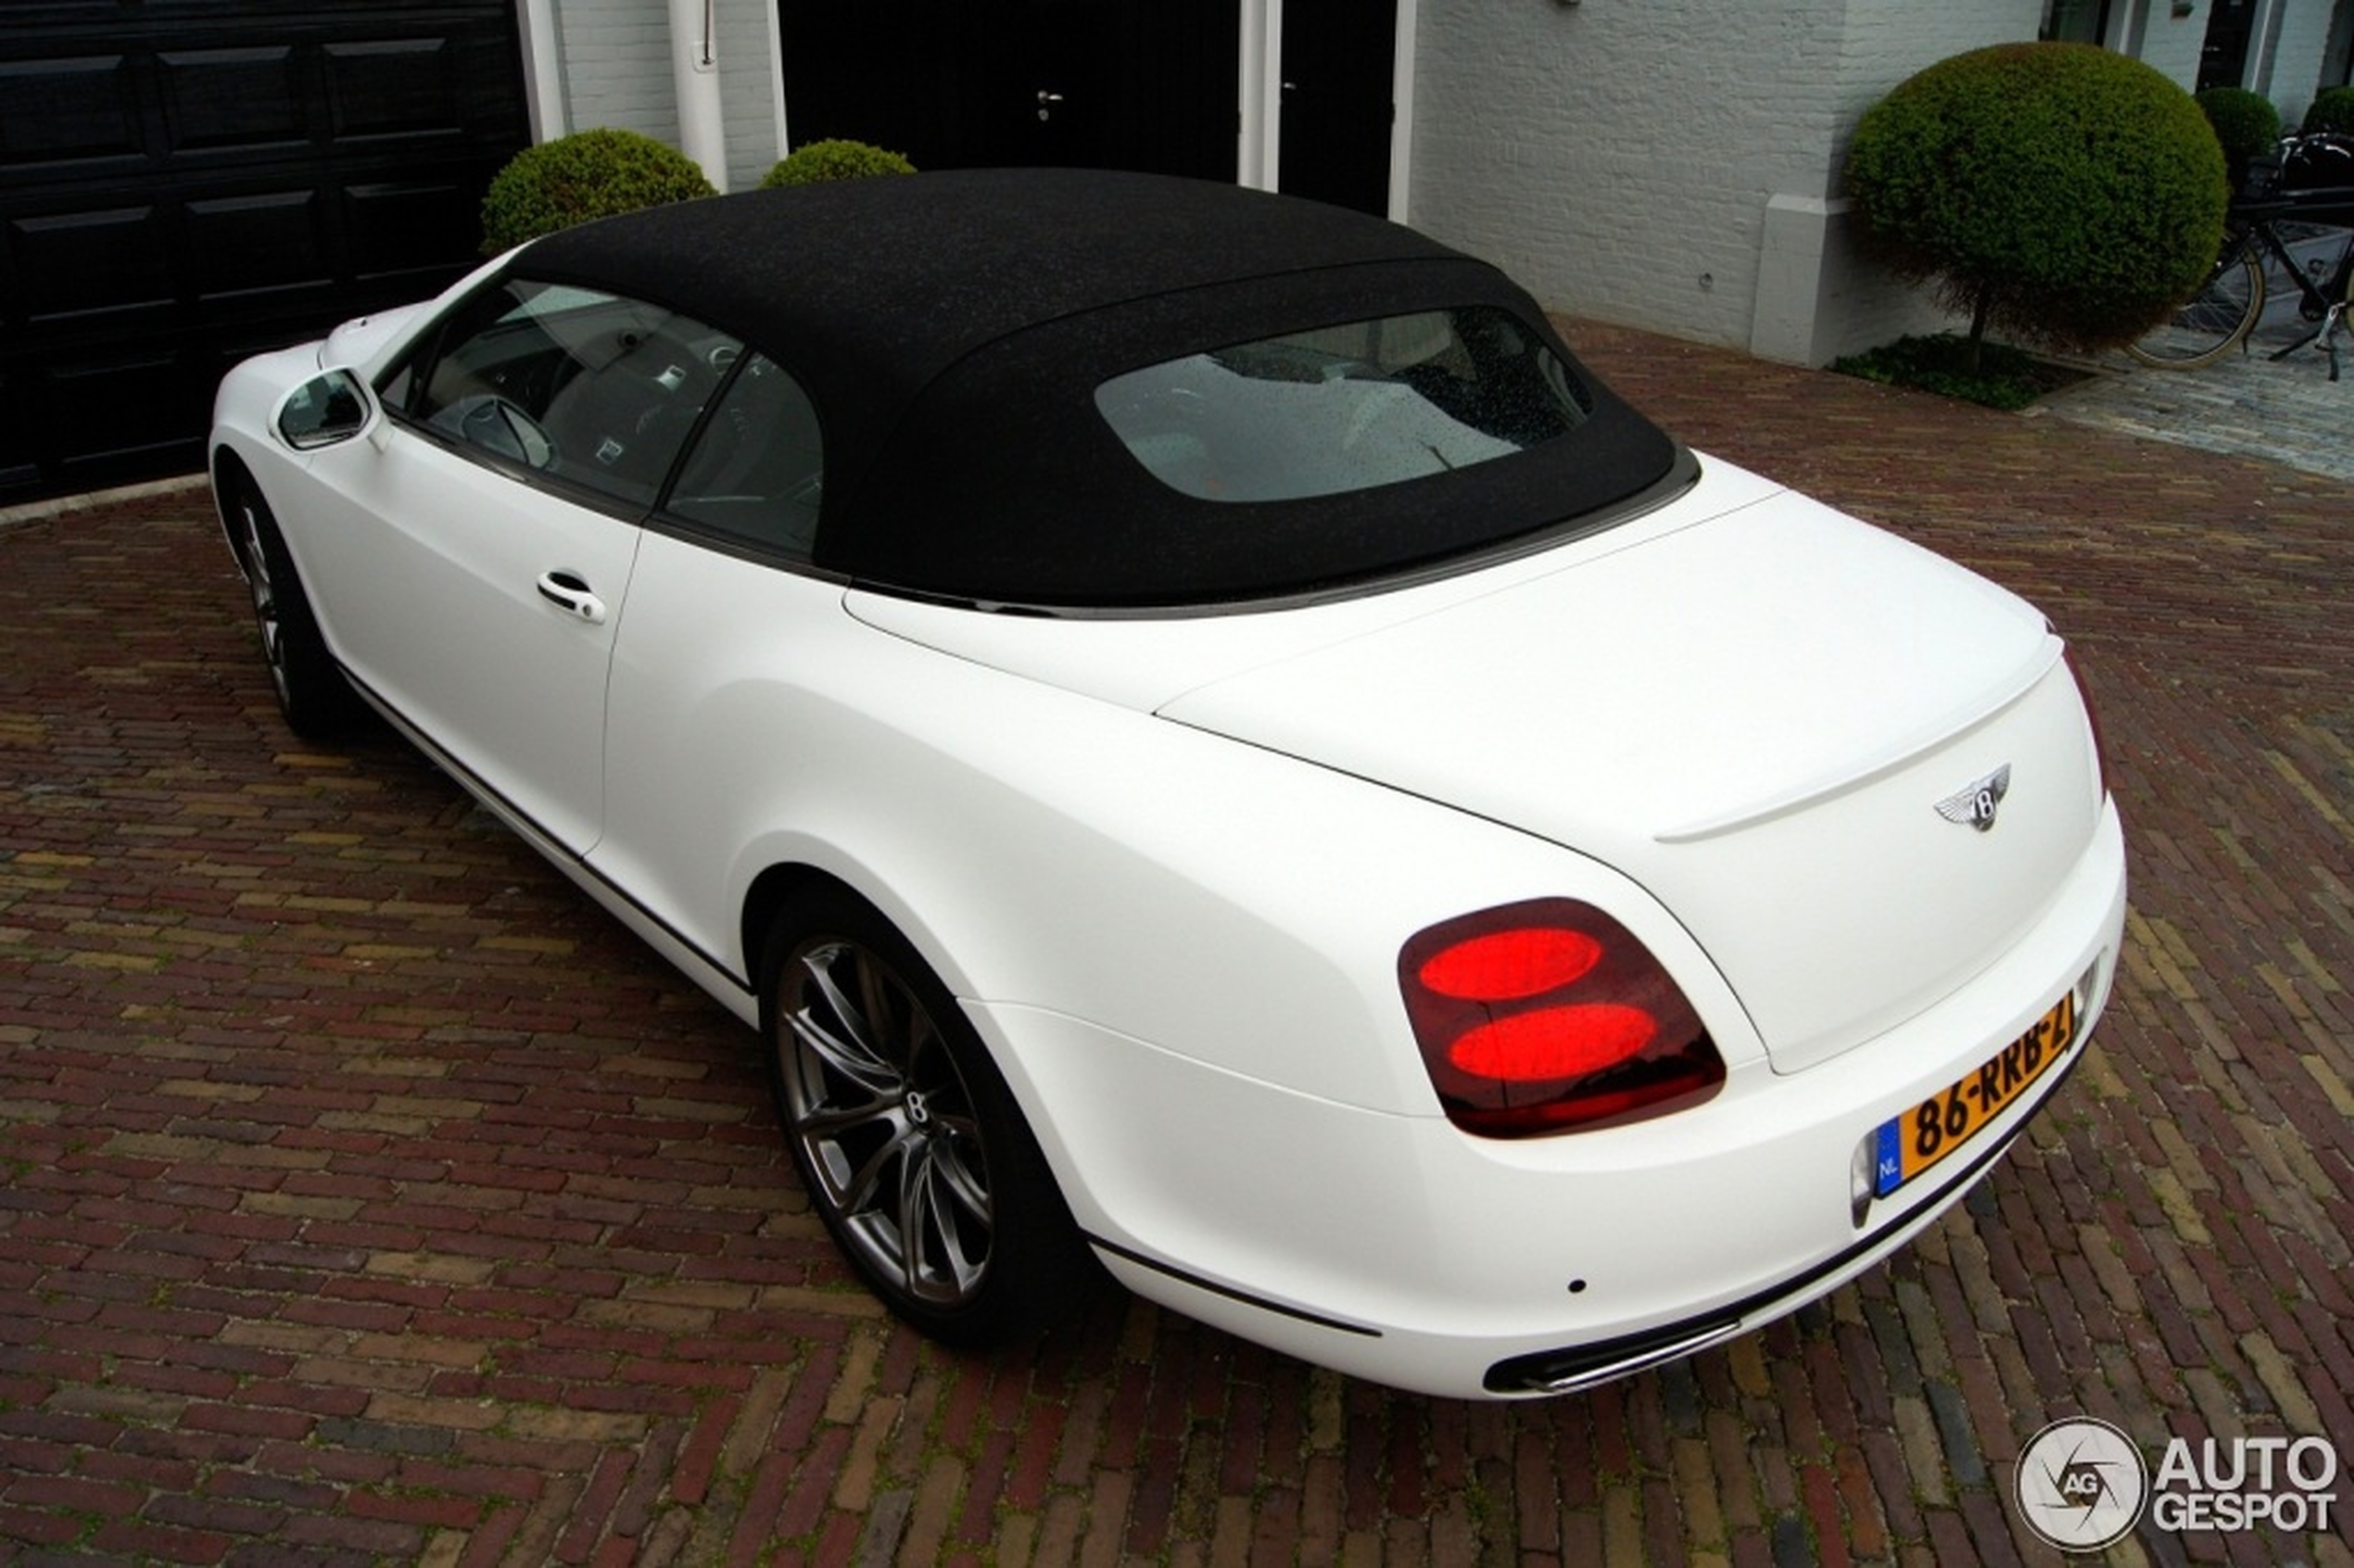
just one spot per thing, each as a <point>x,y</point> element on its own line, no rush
<point>2217,319</point>
<point>910,1146</point>
<point>312,694</point>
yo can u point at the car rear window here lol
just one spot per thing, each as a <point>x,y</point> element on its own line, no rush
<point>1316,432</point>
<point>1346,408</point>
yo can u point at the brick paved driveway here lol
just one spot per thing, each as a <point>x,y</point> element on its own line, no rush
<point>367,1196</point>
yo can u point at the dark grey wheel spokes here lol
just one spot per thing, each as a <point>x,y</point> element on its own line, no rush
<point>886,1124</point>
<point>266,614</point>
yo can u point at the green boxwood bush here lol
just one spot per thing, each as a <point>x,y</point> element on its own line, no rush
<point>2064,194</point>
<point>836,159</point>
<point>2331,109</point>
<point>2245,122</point>
<point>587,174</point>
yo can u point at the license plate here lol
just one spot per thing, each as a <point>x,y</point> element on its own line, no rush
<point>1917,1138</point>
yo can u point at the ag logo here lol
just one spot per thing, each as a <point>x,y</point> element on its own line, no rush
<point>2082,1484</point>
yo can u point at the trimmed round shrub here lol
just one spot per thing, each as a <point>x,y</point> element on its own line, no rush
<point>586,175</point>
<point>2060,193</point>
<point>2331,109</point>
<point>2245,122</point>
<point>836,159</point>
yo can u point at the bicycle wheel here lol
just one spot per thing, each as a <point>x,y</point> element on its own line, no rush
<point>2215,320</point>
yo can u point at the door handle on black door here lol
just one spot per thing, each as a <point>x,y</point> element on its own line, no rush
<point>567,592</point>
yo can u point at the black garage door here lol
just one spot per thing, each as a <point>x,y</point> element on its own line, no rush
<point>184,182</point>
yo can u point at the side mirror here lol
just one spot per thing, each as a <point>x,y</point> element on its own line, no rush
<point>329,408</point>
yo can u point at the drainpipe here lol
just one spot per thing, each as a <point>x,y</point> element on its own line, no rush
<point>694,66</point>
<point>1257,154</point>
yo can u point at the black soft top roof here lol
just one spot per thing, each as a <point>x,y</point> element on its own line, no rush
<point>951,328</point>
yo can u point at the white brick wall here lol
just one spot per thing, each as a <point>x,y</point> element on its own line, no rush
<point>2171,44</point>
<point>2292,69</point>
<point>748,90</point>
<point>615,68</point>
<point>1628,160</point>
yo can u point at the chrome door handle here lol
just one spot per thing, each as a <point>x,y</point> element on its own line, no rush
<point>568,592</point>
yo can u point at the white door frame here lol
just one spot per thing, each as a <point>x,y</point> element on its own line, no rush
<point>1258,159</point>
<point>542,69</point>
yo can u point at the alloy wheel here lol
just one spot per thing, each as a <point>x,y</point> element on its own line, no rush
<point>263,586</point>
<point>885,1124</point>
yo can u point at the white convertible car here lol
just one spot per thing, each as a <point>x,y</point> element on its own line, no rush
<point>1209,747</point>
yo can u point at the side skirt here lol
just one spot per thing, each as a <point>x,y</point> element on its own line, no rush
<point>730,990</point>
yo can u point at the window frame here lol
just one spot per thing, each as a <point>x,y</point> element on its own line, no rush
<point>402,385</point>
<point>666,515</point>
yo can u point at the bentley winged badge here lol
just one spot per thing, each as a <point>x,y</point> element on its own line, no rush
<point>1975,804</point>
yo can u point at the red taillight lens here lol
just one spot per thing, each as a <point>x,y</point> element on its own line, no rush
<point>1552,1042</point>
<point>1548,1017</point>
<point>1506,965</point>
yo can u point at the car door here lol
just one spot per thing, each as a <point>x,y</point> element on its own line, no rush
<point>708,709</point>
<point>475,577</point>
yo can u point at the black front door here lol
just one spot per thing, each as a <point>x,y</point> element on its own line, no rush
<point>972,84</point>
<point>1339,60</point>
<point>2222,62</point>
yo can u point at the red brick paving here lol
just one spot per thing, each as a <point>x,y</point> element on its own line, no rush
<point>367,1196</point>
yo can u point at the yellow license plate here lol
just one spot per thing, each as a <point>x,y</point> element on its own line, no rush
<point>1917,1138</point>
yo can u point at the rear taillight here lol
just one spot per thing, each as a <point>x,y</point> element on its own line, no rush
<point>1550,1017</point>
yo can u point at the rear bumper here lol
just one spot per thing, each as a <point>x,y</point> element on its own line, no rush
<point>1572,1367</point>
<point>1397,1249</point>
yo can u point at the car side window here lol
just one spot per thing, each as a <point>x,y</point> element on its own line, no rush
<point>581,386</point>
<point>757,472</point>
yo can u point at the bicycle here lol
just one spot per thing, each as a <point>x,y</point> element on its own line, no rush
<point>2300,200</point>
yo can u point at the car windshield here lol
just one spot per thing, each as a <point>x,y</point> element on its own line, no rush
<point>1343,407</point>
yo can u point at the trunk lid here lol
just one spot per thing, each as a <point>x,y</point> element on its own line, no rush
<point>1757,718</point>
